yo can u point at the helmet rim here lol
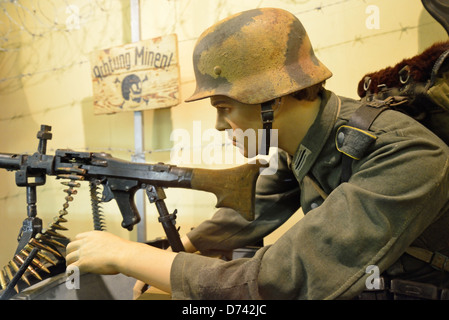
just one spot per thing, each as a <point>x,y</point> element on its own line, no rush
<point>266,66</point>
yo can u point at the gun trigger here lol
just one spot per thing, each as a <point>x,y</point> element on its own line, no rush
<point>107,194</point>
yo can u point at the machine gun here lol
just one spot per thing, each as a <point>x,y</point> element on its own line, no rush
<point>234,188</point>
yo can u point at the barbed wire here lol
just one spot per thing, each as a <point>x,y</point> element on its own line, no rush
<point>42,24</point>
<point>321,7</point>
<point>34,21</point>
<point>359,39</point>
<point>46,32</point>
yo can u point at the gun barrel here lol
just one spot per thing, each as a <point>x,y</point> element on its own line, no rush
<point>10,161</point>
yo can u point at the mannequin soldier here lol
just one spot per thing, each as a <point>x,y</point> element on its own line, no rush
<point>261,61</point>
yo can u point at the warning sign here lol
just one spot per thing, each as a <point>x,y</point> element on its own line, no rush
<point>137,76</point>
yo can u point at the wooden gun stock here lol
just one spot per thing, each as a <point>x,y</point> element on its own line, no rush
<point>234,187</point>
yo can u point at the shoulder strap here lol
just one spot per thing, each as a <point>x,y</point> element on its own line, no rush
<point>362,119</point>
<point>435,259</point>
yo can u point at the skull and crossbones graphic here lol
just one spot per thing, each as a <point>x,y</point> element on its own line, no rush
<point>131,87</point>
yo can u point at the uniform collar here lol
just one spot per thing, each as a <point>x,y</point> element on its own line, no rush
<point>312,144</point>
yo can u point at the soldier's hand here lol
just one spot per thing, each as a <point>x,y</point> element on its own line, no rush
<point>97,252</point>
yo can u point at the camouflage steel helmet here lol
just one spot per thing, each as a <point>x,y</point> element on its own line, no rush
<point>255,56</point>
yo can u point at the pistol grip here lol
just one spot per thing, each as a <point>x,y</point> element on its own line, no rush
<point>128,209</point>
<point>123,191</point>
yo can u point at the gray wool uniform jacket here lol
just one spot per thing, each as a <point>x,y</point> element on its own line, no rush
<point>397,196</point>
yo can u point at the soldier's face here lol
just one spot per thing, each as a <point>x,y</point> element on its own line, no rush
<point>241,121</point>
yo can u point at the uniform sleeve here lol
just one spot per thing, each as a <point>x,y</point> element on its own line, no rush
<point>277,198</point>
<point>394,194</point>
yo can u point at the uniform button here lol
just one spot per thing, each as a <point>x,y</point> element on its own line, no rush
<point>314,205</point>
<point>341,138</point>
